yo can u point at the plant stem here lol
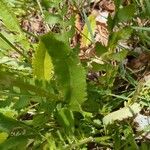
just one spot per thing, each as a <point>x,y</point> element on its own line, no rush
<point>84,141</point>
<point>40,7</point>
<point>90,139</point>
<point>41,10</point>
<point>14,47</point>
<point>31,34</point>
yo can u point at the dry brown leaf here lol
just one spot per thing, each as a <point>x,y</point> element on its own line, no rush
<point>34,24</point>
<point>142,60</point>
<point>78,23</point>
<point>109,6</point>
<point>78,26</point>
<point>102,35</point>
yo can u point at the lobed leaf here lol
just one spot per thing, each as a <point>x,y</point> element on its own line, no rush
<point>115,37</point>
<point>120,55</point>
<point>121,114</point>
<point>8,80</point>
<point>126,13</point>
<point>9,125</point>
<point>69,72</point>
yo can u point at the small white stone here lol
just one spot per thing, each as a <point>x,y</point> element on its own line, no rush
<point>142,121</point>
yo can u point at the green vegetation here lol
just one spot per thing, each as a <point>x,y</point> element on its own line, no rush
<point>51,97</point>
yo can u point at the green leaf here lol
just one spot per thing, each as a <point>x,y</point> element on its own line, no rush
<point>121,114</point>
<point>15,143</point>
<point>145,146</point>
<point>40,120</point>
<point>8,111</point>
<point>42,65</point>
<point>8,80</point>
<point>66,119</point>
<point>111,22</point>
<point>11,22</point>
<point>11,125</point>
<point>100,49</point>
<point>120,55</point>
<point>46,4</point>
<point>8,17</point>
<point>115,37</point>
<point>3,45</point>
<point>88,30</point>
<point>3,136</point>
<point>147,5</point>
<point>98,67</point>
<point>126,13</point>
<point>141,28</point>
<point>69,72</point>
<point>91,106</point>
<point>22,102</point>
<point>52,19</point>
<point>117,3</point>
